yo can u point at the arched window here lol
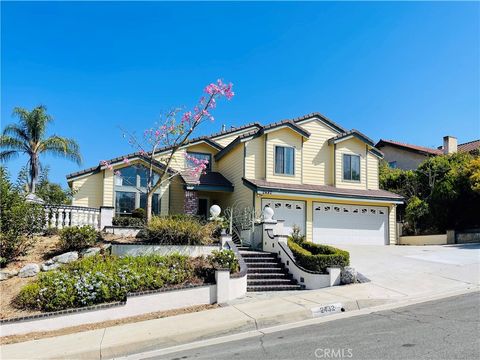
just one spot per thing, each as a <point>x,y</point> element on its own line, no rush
<point>131,191</point>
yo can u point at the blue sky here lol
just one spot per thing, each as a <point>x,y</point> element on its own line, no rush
<point>404,71</point>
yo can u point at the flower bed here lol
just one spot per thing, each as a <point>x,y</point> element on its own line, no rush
<point>103,278</point>
<point>318,258</point>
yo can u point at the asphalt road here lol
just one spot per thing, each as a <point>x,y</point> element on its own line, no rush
<point>442,329</point>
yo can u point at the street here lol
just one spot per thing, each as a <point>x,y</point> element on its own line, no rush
<point>444,329</point>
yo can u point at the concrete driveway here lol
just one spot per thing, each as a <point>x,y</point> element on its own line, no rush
<point>418,270</point>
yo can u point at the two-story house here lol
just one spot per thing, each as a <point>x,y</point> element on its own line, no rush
<point>311,171</point>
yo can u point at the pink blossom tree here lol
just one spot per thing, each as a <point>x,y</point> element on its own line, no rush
<point>161,143</point>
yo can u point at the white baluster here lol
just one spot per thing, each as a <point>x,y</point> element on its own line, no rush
<point>97,220</point>
<point>73,217</point>
<point>47,217</point>
<point>60,218</point>
<point>67,217</point>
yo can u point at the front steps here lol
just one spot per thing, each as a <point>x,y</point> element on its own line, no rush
<point>265,272</point>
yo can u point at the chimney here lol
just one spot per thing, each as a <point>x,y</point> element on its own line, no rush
<point>449,144</point>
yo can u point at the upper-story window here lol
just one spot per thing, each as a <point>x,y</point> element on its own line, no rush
<point>284,160</point>
<point>351,167</point>
<point>392,164</point>
<point>200,156</point>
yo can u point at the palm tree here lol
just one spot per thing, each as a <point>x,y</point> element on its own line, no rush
<point>28,137</point>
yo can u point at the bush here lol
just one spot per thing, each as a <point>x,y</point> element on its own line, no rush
<point>128,221</point>
<point>101,279</point>
<point>296,236</point>
<point>180,230</point>
<point>316,257</point>
<point>139,213</point>
<point>19,221</point>
<point>224,259</point>
<point>76,238</point>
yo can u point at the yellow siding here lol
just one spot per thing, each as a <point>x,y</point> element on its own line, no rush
<point>177,196</point>
<point>284,137</point>
<point>372,171</point>
<point>255,158</point>
<point>392,224</point>
<point>351,146</point>
<point>178,161</point>
<point>224,141</point>
<point>89,191</point>
<point>231,166</point>
<point>317,154</point>
<point>108,188</point>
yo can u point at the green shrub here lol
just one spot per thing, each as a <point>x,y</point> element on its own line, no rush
<point>296,236</point>
<point>76,238</point>
<point>128,221</point>
<point>179,230</point>
<point>316,257</point>
<point>139,213</point>
<point>101,279</point>
<point>19,221</point>
<point>224,259</point>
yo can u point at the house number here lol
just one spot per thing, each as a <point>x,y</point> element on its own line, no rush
<point>326,309</point>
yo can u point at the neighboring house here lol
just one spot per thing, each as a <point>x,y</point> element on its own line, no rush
<point>407,156</point>
<point>313,173</point>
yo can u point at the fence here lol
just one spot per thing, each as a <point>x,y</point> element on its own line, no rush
<point>60,216</point>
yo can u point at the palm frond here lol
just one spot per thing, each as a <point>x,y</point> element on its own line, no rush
<point>60,146</point>
<point>8,155</point>
<point>34,122</point>
<point>17,132</point>
<point>8,142</point>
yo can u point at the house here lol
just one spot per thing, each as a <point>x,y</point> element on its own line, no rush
<point>311,171</point>
<point>407,156</point>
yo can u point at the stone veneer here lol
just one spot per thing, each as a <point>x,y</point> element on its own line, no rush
<point>191,202</point>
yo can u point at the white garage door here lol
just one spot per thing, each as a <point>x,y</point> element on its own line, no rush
<point>346,224</point>
<point>292,212</point>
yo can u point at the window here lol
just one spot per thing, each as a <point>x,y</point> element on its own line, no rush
<point>351,167</point>
<point>284,160</point>
<point>200,156</point>
<point>392,164</point>
<point>131,190</point>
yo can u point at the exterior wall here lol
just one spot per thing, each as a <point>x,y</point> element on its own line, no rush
<point>283,137</point>
<point>317,154</point>
<point>406,160</point>
<point>108,188</point>
<point>90,191</point>
<point>255,158</point>
<point>177,196</point>
<point>178,162</point>
<point>309,211</point>
<point>232,167</point>
<point>372,172</point>
<point>351,146</point>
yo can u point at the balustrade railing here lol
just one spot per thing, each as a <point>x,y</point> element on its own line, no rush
<point>60,216</point>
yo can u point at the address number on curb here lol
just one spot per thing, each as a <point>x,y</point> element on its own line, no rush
<point>326,309</point>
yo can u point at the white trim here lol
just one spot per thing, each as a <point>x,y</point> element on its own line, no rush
<point>342,139</point>
<point>245,129</point>
<point>314,118</point>
<point>283,127</point>
<point>314,196</point>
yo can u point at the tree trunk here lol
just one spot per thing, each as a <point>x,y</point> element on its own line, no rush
<point>33,172</point>
<point>149,206</point>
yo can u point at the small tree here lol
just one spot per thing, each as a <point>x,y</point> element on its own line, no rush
<point>161,143</point>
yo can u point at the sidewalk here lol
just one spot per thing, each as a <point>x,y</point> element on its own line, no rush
<point>399,276</point>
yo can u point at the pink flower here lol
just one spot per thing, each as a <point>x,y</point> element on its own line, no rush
<point>126,161</point>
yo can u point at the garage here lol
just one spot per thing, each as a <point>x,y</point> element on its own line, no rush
<point>292,212</point>
<point>339,224</point>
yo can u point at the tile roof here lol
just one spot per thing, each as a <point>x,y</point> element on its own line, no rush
<point>469,146</point>
<point>325,190</point>
<point>352,132</point>
<point>233,129</point>
<point>420,149</point>
<point>322,118</point>
<point>214,179</point>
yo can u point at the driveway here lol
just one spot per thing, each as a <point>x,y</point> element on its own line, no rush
<point>418,270</point>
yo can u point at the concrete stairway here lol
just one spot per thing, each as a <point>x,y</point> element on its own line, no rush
<point>265,272</point>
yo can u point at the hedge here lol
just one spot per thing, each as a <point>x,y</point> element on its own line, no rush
<point>318,258</point>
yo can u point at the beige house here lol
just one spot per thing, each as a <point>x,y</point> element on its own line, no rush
<point>311,171</point>
<point>408,157</point>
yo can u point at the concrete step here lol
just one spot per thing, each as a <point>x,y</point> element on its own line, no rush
<point>253,270</point>
<point>258,259</point>
<point>271,275</point>
<point>262,282</point>
<point>273,288</point>
<point>265,264</point>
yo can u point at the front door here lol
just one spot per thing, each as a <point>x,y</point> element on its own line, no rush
<point>203,208</point>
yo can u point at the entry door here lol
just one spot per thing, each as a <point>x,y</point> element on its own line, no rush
<point>203,208</point>
<point>292,212</point>
<point>339,224</point>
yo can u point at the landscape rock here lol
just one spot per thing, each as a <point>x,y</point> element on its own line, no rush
<point>29,270</point>
<point>348,275</point>
<point>91,251</point>
<point>66,257</point>
<point>52,266</point>
<point>7,274</point>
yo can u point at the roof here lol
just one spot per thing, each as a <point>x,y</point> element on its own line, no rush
<point>418,149</point>
<point>141,156</point>
<point>209,181</point>
<point>321,118</point>
<point>324,190</point>
<point>234,129</point>
<point>352,133</point>
<point>469,146</point>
